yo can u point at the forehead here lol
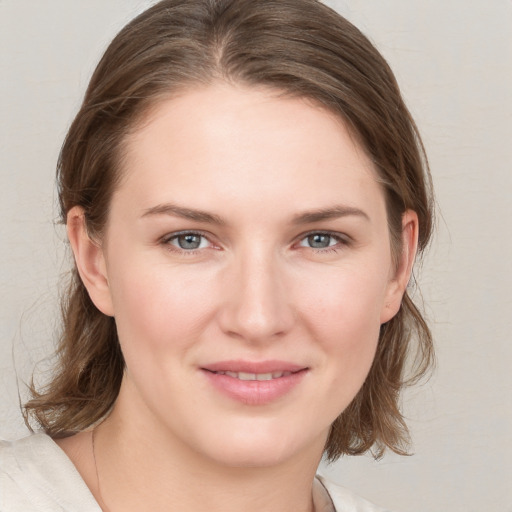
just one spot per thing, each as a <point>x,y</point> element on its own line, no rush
<point>245,144</point>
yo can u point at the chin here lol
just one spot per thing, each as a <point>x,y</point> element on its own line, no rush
<point>254,456</point>
<point>260,447</point>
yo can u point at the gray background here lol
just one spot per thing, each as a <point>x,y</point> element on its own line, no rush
<point>453,59</point>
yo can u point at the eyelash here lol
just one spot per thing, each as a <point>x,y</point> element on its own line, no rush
<point>341,240</point>
<point>166,241</point>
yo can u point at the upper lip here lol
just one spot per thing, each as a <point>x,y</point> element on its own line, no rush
<point>269,366</point>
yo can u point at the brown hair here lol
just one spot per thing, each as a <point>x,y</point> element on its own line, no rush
<point>300,47</point>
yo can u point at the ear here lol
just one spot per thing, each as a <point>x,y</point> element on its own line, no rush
<point>402,272</point>
<point>90,261</point>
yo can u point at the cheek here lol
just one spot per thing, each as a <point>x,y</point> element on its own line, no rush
<point>158,308</point>
<point>346,298</point>
<point>345,319</point>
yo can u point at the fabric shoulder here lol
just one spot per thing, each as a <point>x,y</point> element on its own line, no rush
<point>345,500</point>
<point>37,476</point>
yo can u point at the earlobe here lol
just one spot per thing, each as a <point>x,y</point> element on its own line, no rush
<point>403,269</point>
<point>90,261</point>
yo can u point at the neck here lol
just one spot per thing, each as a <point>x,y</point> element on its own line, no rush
<point>146,469</point>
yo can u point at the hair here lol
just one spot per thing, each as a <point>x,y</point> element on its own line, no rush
<point>303,49</point>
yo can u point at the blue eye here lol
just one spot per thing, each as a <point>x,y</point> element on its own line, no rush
<point>319,241</point>
<point>188,241</point>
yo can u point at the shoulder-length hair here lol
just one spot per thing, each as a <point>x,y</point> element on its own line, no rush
<point>303,49</point>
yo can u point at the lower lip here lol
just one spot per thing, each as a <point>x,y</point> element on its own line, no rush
<point>255,392</point>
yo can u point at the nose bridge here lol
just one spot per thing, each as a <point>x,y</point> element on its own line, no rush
<point>259,307</point>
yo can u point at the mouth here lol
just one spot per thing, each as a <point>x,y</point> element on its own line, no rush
<point>254,376</point>
<point>255,383</point>
<point>250,370</point>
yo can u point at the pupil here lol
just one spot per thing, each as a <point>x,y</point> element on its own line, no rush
<point>189,241</point>
<point>319,241</point>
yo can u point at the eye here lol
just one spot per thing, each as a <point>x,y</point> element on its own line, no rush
<point>320,240</point>
<point>187,241</point>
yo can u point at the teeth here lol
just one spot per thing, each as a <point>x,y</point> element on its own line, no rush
<point>246,376</point>
<point>255,376</point>
<point>265,376</point>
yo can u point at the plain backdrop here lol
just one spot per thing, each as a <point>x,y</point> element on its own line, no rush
<point>453,59</point>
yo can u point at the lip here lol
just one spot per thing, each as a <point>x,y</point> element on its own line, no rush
<point>254,392</point>
<point>239,365</point>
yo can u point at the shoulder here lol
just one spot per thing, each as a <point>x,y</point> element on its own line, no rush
<point>345,500</point>
<point>37,476</point>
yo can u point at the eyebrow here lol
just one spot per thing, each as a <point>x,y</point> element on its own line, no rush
<point>308,217</point>
<point>185,213</point>
<point>334,212</point>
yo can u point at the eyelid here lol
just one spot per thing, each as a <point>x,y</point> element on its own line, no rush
<point>166,239</point>
<point>342,238</point>
<point>175,234</point>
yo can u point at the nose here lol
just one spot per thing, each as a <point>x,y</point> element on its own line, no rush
<point>258,306</point>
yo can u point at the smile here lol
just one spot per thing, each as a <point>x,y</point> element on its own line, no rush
<point>254,383</point>
<point>254,376</point>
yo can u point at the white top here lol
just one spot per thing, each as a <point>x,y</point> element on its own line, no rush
<point>37,476</point>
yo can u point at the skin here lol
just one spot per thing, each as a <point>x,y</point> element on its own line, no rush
<point>265,169</point>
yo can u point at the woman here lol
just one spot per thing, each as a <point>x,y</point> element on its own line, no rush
<point>245,193</point>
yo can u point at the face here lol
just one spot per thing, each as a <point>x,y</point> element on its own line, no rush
<point>247,263</point>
